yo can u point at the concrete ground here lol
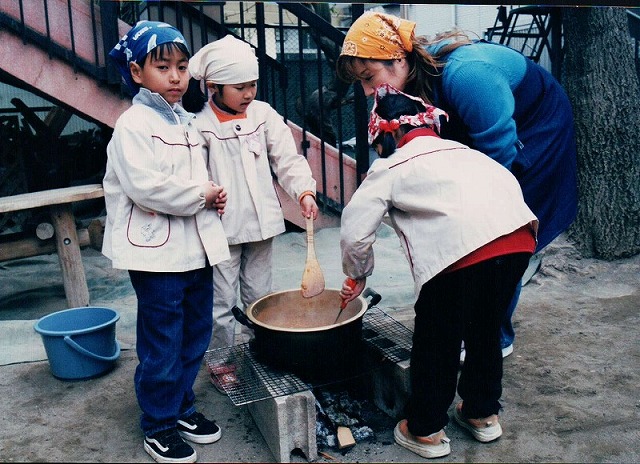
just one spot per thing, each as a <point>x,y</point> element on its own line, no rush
<point>570,388</point>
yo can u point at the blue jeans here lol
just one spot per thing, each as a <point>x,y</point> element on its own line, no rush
<point>175,318</point>
<point>507,334</point>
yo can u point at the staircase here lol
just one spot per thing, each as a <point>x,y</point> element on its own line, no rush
<point>535,31</point>
<point>57,50</point>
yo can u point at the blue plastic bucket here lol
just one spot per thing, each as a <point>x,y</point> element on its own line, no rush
<point>80,342</point>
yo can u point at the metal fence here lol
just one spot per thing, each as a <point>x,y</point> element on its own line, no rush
<point>295,42</point>
<point>296,49</point>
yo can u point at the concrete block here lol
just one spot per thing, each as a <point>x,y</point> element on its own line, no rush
<point>390,387</point>
<point>287,423</point>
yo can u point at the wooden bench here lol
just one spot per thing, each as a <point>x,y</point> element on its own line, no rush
<point>59,202</point>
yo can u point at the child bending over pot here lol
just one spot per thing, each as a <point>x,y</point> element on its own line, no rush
<point>468,235</point>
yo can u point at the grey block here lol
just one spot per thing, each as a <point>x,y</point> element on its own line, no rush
<point>287,423</point>
<point>390,387</point>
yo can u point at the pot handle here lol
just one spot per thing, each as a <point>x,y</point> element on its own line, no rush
<point>242,318</point>
<point>375,297</point>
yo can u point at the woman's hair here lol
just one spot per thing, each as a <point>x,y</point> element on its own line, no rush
<point>390,107</point>
<point>423,66</point>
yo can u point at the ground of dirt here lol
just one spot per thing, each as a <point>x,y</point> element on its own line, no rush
<point>571,387</point>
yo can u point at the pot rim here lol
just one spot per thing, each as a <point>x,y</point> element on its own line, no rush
<point>358,315</point>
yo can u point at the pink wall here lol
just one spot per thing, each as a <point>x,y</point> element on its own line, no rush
<point>314,158</point>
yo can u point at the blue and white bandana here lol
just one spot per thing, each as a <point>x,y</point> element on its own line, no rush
<point>134,46</point>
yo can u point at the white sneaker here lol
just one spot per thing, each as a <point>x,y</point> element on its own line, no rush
<point>507,350</point>
<point>488,429</point>
<point>435,445</point>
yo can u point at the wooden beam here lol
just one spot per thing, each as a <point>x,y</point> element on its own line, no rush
<point>73,276</point>
<point>50,197</point>
<point>28,247</point>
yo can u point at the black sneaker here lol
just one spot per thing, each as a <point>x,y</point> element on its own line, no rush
<point>199,429</point>
<point>168,446</point>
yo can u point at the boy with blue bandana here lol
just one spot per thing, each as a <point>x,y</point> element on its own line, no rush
<point>163,226</point>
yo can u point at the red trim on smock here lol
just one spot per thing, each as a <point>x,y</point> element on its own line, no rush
<point>521,240</point>
<point>418,132</point>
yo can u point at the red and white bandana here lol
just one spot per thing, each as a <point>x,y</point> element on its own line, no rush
<point>430,116</point>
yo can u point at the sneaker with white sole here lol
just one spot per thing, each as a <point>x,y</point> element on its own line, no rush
<point>507,350</point>
<point>484,430</point>
<point>199,429</point>
<point>435,445</point>
<point>167,446</point>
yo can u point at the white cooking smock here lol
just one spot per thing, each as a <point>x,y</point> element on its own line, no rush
<point>156,219</point>
<point>246,156</point>
<point>444,201</point>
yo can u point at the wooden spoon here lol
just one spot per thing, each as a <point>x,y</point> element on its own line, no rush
<point>312,277</point>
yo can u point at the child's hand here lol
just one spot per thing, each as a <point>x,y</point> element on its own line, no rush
<point>351,288</point>
<point>221,201</point>
<point>214,196</point>
<point>309,207</point>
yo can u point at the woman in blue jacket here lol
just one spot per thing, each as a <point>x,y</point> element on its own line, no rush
<point>499,102</point>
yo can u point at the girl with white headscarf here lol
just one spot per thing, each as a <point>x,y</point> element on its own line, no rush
<point>250,148</point>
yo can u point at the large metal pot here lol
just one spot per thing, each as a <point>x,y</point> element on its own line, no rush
<point>301,335</point>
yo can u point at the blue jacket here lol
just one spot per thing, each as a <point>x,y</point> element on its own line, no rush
<point>512,109</point>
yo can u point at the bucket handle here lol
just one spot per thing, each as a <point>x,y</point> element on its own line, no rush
<point>73,344</point>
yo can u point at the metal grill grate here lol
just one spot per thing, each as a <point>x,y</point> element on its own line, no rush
<point>255,381</point>
<point>386,335</point>
<point>246,380</point>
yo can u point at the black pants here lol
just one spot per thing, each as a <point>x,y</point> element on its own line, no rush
<point>468,304</point>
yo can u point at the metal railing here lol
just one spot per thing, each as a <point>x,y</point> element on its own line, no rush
<point>71,30</point>
<point>296,49</point>
<point>296,52</point>
<point>535,31</point>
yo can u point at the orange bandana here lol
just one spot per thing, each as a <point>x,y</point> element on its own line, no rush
<point>379,36</point>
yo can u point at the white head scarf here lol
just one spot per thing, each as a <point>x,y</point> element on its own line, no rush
<point>225,61</point>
